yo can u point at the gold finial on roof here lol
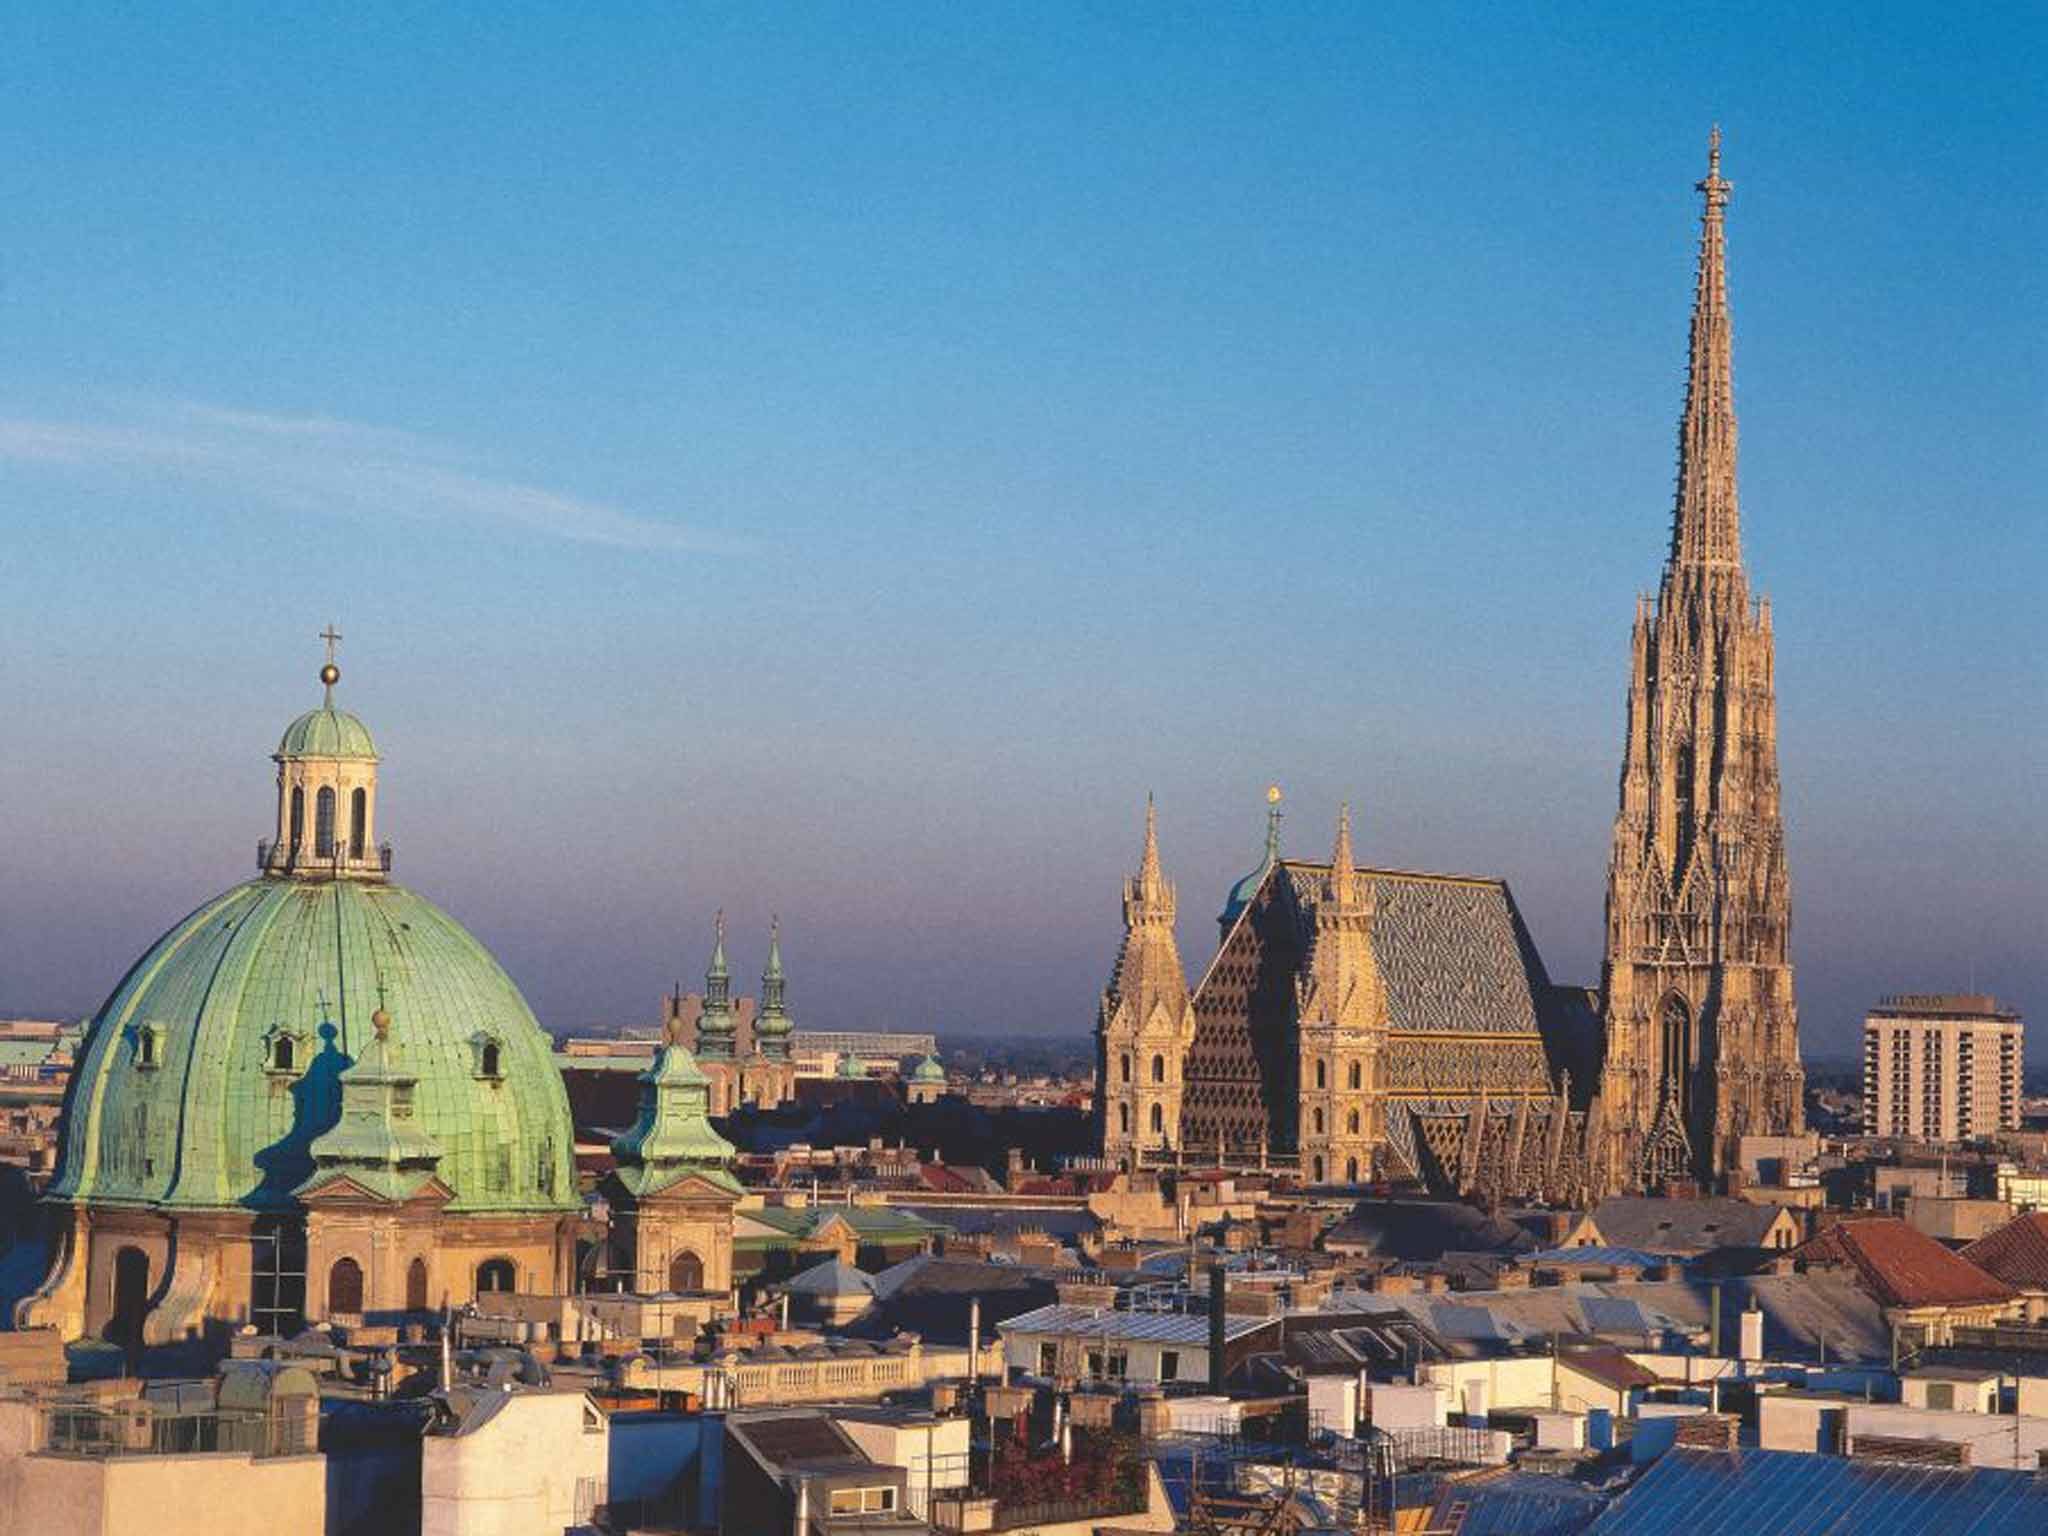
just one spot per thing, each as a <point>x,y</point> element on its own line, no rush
<point>380,1021</point>
<point>1272,794</point>
<point>330,674</point>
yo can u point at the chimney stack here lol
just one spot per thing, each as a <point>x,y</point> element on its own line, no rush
<point>1216,1315</point>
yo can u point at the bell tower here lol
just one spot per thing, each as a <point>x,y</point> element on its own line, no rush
<point>1702,1033</point>
<point>1146,1020</point>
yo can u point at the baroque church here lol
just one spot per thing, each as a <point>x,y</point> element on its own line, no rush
<point>1367,1024</point>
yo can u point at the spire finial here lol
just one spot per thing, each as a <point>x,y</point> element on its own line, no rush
<point>1148,863</point>
<point>1273,815</point>
<point>330,674</point>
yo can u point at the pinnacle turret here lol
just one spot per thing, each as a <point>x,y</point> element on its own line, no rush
<point>773,1027</point>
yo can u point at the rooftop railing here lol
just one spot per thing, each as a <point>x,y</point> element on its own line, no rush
<point>134,1429</point>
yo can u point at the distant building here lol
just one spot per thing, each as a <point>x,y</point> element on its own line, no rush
<point>868,1045</point>
<point>1941,1067</point>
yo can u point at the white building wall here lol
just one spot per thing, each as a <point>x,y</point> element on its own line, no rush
<point>520,1473</point>
<point>1994,1439</point>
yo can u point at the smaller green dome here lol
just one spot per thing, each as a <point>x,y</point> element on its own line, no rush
<point>327,732</point>
<point>928,1071</point>
<point>849,1065</point>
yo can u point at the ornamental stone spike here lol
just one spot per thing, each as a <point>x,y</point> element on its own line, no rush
<point>1706,529</point>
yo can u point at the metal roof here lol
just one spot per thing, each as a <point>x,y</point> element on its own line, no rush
<point>1153,1327</point>
<point>1746,1493</point>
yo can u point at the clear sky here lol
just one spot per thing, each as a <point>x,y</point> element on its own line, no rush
<point>836,459</point>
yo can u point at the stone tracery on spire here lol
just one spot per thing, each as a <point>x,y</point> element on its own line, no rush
<point>1706,529</point>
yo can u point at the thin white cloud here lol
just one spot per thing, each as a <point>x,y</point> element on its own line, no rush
<point>317,463</point>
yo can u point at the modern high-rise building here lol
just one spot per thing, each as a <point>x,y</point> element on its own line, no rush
<point>1702,1033</point>
<point>1941,1066</point>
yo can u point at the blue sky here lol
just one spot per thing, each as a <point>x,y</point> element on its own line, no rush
<point>836,459</point>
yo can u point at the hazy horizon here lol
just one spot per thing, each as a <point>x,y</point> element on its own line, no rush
<point>835,463</point>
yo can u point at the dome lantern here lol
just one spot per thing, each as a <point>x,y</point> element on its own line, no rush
<point>326,793</point>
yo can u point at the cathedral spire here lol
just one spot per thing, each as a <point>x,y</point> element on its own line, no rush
<point>1706,528</point>
<point>1343,872</point>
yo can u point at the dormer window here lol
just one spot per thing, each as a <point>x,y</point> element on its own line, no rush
<point>490,1055</point>
<point>149,1046</point>
<point>284,1050</point>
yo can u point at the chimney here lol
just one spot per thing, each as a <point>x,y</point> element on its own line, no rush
<point>1216,1315</point>
<point>1435,1283</point>
<point>1752,1334</point>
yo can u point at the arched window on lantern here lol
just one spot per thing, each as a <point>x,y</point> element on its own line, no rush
<point>323,823</point>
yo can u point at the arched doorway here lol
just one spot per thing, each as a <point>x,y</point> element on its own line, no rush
<point>495,1275</point>
<point>416,1286</point>
<point>686,1272</point>
<point>345,1288</point>
<point>131,1298</point>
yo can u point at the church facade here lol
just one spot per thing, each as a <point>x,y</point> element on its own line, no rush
<point>1374,1024</point>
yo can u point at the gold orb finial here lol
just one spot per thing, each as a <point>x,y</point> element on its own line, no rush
<point>380,1021</point>
<point>1272,794</point>
<point>330,674</point>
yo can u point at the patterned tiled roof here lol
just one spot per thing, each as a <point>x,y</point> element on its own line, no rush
<point>1902,1266</point>
<point>1452,951</point>
<point>2016,1253</point>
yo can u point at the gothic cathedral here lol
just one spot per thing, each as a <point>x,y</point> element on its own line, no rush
<point>1368,1024</point>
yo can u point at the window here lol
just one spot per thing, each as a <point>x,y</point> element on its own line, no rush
<point>281,1053</point>
<point>1316,1170</point>
<point>1941,1395</point>
<point>323,823</point>
<point>345,1288</point>
<point>1169,1365</point>
<point>1351,1122</point>
<point>863,1501</point>
<point>298,817</point>
<point>1319,1121</point>
<point>686,1273</point>
<point>495,1275</point>
<point>1356,1076</point>
<point>146,1054</point>
<point>416,1286</point>
<point>1048,1359</point>
<point>1158,1120</point>
<point>1158,1069</point>
<point>1351,1170</point>
<point>358,823</point>
<point>1322,1074</point>
<point>1123,1117</point>
<point>1125,1059</point>
<point>490,1052</point>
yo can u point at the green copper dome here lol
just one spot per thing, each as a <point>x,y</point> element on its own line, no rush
<point>207,1078</point>
<point>1246,890</point>
<point>327,732</point>
<point>928,1071</point>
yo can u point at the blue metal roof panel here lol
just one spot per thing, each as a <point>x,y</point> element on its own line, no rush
<point>1744,1493</point>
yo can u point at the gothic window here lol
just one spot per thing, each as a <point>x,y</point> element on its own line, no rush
<point>1355,1075</point>
<point>1322,1074</point>
<point>323,823</point>
<point>1316,1171</point>
<point>495,1275</point>
<point>1319,1122</point>
<point>1158,1120</point>
<point>298,816</point>
<point>1158,1069</point>
<point>686,1272</point>
<point>1126,1063</point>
<point>358,823</point>
<point>1351,1170</point>
<point>345,1288</point>
<point>1676,1026</point>
<point>1351,1122</point>
<point>1123,1115</point>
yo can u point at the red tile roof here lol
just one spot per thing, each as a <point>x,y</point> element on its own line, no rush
<point>1610,1366</point>
<point>2016,1253</point>
<point>1902,1266</point>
